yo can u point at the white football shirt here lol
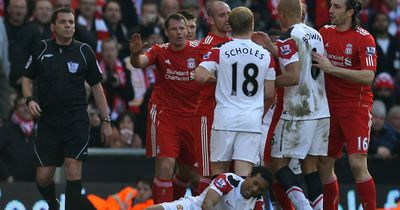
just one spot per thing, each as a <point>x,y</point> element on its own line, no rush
<point>307,100</point>
<point>241,67</point>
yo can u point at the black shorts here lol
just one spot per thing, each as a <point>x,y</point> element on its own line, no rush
<point>62,135</point>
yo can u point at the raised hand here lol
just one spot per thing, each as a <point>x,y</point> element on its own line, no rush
<point>135,44</point>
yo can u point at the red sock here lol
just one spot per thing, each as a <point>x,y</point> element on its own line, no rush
<point>281,196</point>
<point>162,190</point>
<point>203,184</point>
<point>331,194</point>
<point>366,193</point>
<point>180,187</point>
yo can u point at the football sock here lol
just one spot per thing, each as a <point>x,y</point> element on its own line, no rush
<point>162,190</point>
<point>366,193</point>
<point>73,195</point>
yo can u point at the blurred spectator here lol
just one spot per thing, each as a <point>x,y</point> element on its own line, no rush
<point>23,36</point>
<point>129,198</point>
<point>259,18</point>
<point>16,145</point>
<point>1,8</point>
<point>62,3</point>
<point>4,71</point>
<point>117,82</point>
<point>168,7</point>
<point>383,136</point>
<point>112,15</point>
<point>93,23</point>
<point>124,135</point>
<point>393,120</point>
<point>42,17</point>
<point>130,18</point>
<point>384,89</point>
<point>387,46</point>
<point>150,22</point>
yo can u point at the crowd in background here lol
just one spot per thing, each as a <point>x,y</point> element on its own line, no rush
<point>107,27</point>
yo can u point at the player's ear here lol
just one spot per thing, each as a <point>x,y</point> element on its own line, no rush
<point>52,26</point>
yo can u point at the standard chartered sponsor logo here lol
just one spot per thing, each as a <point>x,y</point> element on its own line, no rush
<point>178,75</point>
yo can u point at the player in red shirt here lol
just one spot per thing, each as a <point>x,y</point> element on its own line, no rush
<point>350,69</point>
<point>218,12</point>
<point>175,62</point>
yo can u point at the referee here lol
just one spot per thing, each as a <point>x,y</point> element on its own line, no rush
<point>61,67</point>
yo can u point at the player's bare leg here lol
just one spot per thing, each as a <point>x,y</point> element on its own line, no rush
<point>220,167</point>
<point>309,167</point>
<point>242,168</point>
<point>162,183</point>
<point>365,185</point>
<point>289,182</point>
<point>46,186</point>
<point>181,180</point>
<point>73,171</point>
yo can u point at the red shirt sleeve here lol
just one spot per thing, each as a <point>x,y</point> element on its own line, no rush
<point>221,185</point>
<point>287,51</point>
<point>367,53</point>
<point>151,54</point>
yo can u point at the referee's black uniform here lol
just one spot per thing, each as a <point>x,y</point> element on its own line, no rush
<point>63,127</point>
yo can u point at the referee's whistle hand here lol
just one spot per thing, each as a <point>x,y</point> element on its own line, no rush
<point>34,109</point>
<point>106,131</point>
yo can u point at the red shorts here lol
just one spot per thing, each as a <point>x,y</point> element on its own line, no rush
<point>350,126</point>
<point>202,133</point>
<point>151,130</point>
<point>171,136</point>
<point>271,131</point>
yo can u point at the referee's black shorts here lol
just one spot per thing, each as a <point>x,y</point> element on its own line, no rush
<point>62,135</point>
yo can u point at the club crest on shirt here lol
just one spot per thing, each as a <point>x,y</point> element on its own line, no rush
<point>285,49</point>
<point>349,49</point>
<point>191,63</point>
<point>220,183</point>
<point>72,67</point>
<point>370,50</point>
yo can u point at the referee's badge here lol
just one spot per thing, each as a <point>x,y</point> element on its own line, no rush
<point>191,63</point>
<point>72,67</point>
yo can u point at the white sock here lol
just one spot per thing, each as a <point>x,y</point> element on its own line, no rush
<point>299,200</point>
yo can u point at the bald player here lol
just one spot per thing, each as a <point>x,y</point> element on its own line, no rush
<point>303,128</point>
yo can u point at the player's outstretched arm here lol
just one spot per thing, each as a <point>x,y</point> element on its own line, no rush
<point>263,40</point>
<point>210,200</point>
<point>136,47</point>
<point>364,77</point>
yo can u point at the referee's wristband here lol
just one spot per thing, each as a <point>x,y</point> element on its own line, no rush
<point>107,119</point>
<point>29,99</point>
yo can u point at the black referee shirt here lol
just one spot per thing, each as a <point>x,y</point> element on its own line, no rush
<point>61,72</point>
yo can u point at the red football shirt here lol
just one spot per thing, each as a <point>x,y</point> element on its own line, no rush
<point>353,49</point>
<point>177,91</point>
<point>206,102</point>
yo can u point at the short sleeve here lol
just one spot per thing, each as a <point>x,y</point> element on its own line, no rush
<point>93,71</point>
<point>259,204</point>
<point>367,53</point>
<point>211,60</point>
<point>271,74</point>
<point>31,66</point>
<point>287,51</point>
<point>151,54</point>
<point>221,185</point>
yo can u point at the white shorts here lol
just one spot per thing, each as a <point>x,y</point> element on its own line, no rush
<point>296,139</point>
<point>234,145</point>
<point>264,132</point>
<point>184,203</point>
